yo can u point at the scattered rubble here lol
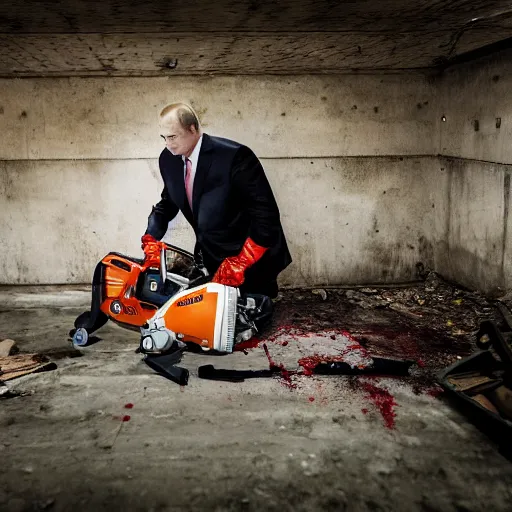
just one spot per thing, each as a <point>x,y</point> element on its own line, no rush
<point>427,321</point>
<point>321,292</point>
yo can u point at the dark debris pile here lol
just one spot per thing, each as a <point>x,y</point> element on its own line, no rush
<point>434,303</point>
<point>433,322</point>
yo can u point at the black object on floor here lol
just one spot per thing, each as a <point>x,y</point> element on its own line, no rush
<point>208,371</point>
<point>380,366</point>
<point>165,365</point>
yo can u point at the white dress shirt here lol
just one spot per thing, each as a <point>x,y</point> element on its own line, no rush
<point>194,158</point>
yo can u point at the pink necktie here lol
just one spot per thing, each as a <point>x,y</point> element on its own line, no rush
<point>188,181</point>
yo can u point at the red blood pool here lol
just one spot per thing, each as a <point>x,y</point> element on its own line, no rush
<point>245,345</point>
<point>384,401</point>
<point>310,363</point>
<point>311,398</point>
<point>128,406</point>
<point>126,418</point>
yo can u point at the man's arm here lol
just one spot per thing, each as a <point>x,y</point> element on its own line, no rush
<point>161,214</point>
<point>249,180</point>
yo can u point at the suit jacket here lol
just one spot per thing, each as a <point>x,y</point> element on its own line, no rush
<point>231,201</point>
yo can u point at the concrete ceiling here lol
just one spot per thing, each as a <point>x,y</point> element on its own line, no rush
<point>155,38</point>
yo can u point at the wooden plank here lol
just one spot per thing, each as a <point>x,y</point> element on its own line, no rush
<point>148,54</point>
<point>228,53</point>
<point>291,116</point>
<point>220,53</point>
<point>241,15</point>
<point>15,366</point>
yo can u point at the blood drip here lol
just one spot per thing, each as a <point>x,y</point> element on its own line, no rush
<point>285,374</point>
<point>311,399</point>
<point>364,411</point>
<point>126,418</point>
<point>384,401</point>
<point>420,363</point>
<point>128,406</point>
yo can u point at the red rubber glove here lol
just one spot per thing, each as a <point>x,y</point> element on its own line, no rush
<point>146,239</point>
<point>152,248</point>
<point>231,271</point>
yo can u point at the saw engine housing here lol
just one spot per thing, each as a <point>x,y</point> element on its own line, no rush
<point>172,304</point>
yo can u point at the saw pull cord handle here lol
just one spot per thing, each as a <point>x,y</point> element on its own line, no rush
<point>232,270</point>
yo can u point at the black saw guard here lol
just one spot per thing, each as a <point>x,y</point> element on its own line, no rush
<point>92,320</point>
<point>165,366</point>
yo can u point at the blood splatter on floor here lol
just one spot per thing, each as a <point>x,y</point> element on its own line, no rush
<point>383,400</point>
<point>352,326</point>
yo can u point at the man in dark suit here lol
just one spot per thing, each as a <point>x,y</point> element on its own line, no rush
<point>221,188</point>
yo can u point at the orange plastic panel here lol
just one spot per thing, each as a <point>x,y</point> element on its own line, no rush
<point>119,288</point>
<point>194,315</point>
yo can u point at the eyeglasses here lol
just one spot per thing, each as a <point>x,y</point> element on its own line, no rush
<point>170,137</point>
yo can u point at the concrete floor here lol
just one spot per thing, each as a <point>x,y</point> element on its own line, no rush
<point>257,445</point>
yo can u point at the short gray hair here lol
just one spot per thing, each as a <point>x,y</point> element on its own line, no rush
<point>185,114</point>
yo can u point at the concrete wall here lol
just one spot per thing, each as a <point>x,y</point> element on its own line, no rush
<point>476,251</point>
<point>473,97</point>
<point>349,158</point>
<point>362,220</point>
<point>353,161</point>
<point>358,220</point>
<point>475,101</point>
<point>315,116</point>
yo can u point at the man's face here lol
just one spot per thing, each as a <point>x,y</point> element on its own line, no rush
<point>178,140</point>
